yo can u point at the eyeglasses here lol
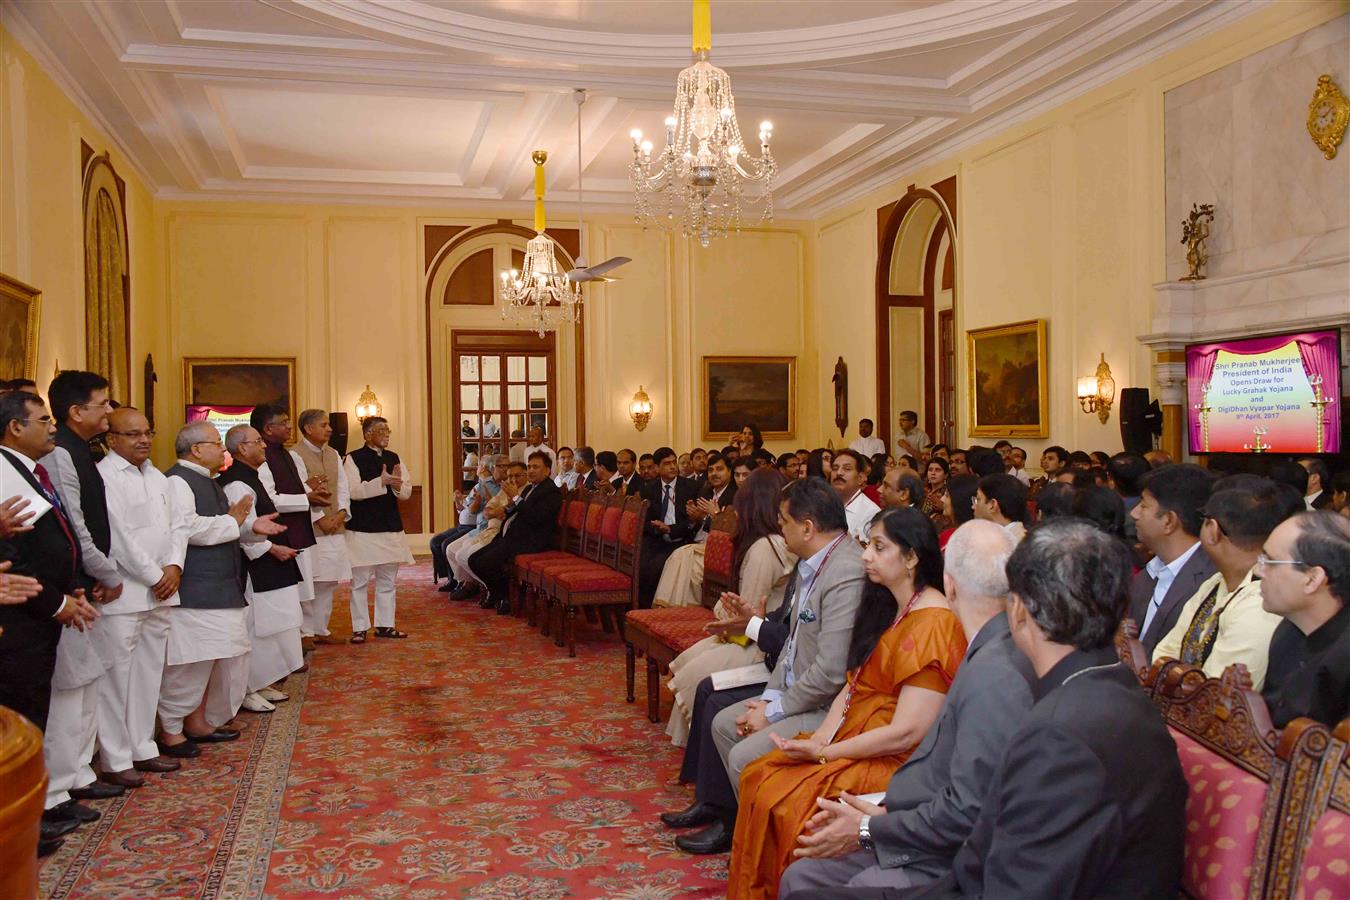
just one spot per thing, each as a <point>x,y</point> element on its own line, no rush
<point>106,404</point>
<point>254,441</point>
<point>212,443</point>
<point>44,420</point>
<point>1263,560</point>
<point>134,435</point>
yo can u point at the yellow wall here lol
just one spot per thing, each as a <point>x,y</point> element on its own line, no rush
<point>41,219</point>
<point>1059,217</point>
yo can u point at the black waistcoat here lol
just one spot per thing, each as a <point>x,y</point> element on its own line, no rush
<point>266,572</point>
<point>212,576</point>
<point>376,514</point>
<point>299,526</point>
<point>93,501</point>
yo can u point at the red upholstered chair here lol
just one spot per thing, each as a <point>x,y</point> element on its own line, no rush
<point>602,534</point>
<point>1317,838</point>
<point>569,531</point>
<point>663,634</point>
<point>606,588</point>
<point>589,550</point>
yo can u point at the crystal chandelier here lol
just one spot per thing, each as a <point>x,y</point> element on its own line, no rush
<point>703,168</point>
<point>540,294</point>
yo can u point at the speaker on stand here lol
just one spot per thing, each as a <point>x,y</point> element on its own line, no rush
<point>338,440</point>
<point>1140,420</point>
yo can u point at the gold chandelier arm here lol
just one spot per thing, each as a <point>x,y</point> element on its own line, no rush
<point>702,26</point>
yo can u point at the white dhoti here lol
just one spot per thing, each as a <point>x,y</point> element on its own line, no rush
<point>274,628</point>
<point>458,551</point>
<point>330,567</point>
<point>133,646</point>
<point>305,560</point>
<point>207,654</point>
<point>681,581</point>
<point>375,556</point>
<point>72,721</point>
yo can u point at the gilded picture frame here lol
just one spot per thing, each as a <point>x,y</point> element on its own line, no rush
<point>240,381</point>
<point>1008,385</point>
<point>741,390</point>
<point>20,315</point>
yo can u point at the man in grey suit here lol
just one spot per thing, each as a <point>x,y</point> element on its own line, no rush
<point>806,645</point>
<point>1167,519</point>
<point>933,800</point>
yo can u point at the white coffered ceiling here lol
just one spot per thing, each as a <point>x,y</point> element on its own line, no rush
<point>442,100</point>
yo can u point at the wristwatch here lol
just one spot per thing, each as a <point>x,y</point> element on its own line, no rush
<point>865,835</point>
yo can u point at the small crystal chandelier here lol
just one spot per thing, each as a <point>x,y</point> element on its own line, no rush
<point>703,167</point>
<point>540,294</point>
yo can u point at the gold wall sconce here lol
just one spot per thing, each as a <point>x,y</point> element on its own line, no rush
<point>368,405</point>
<point>640,409</point>
<point>1097,392</point>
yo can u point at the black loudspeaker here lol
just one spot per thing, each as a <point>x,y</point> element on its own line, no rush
<point>338,440</point>
<point>1140,420</point>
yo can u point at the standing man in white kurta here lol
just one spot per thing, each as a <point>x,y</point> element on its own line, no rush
<point>330,563</point>
<point>375,541</point>
<point>206,669</point>
<point>272,587</point>
<point>133,635</point>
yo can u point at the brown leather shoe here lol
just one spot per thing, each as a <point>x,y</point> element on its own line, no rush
<point>158,764</point>
<point>307,645</point>
<point>302,669</point>
<point>127,779</point>
<point>324,640</point>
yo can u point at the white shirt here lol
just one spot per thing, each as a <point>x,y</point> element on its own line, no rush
<point>860,510</point>
<point>286,502</point>
<point>917,439</point>
<point>1165,573</point>
<point>668,495</point>
<point>61,470</point>
<point>567,479</point>
<point>1021,475</point>
<point>31,466</point>
<point>366,490</point>
<point>144,539</point>
<point>543,448</point>
<point>868,446</point>
<point>201,531</point>
<point>1310,499</point>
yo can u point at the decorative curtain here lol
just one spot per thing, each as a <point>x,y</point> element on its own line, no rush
<point>1319,358</point>
<point>104,300</point>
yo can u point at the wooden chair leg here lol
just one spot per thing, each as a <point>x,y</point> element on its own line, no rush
<point>591,617</point>
<point>559,638</point>
<point>528,601</point>
<point>629,668</point>
<point>545,605</point>
<point>653,690</point>
<point>572,630</point>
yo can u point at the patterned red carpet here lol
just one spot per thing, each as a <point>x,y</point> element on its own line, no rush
<point>473,760</point>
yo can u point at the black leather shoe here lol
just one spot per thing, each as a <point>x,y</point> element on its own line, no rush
<point>716,838</point>
<point>465,592</point>
<point>71,811</point>
<point>53,830</point>
<point>504,608</point>
<point>447,587</point>
<point>48,846</point>
<point>219,736</point>
<point>99,790</point>
<point>185,750</point>
<point>696,813</point>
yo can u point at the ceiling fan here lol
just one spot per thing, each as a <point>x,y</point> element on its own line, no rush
<point>598,272</point>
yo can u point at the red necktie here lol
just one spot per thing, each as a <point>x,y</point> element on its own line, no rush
<point>50,491</point>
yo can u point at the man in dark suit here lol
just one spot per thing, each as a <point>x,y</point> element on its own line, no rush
<point>718,493</point>
<point>1167,519</point>
<point>584,464</point>
<point>49,552</point>
<point>1070,811</point>
<point>530,524</point>
<point>628,481</point>
<point>1316,495</point>
<point>668,526</point>
<point>935,797</point>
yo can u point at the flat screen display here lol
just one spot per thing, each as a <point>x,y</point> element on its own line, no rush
<point>1281,394</point>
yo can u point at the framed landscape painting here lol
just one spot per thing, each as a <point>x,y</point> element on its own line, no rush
<point>1009,374</point>
<point>742,390</point>
<point>18,329</point>
<point>246,381</point>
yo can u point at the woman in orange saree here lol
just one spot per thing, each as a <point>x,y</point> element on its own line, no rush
<point>904,653</point>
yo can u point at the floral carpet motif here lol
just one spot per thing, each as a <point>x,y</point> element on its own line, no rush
<point>473,760</point>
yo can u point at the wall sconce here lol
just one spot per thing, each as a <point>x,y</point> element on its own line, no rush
<point>1097,392</point>
<point>640,409</point>
<point>368,405</point>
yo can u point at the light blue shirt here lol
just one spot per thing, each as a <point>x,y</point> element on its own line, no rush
<point>1164,574</point>
<point>807,570</point>
<point>486,489</point>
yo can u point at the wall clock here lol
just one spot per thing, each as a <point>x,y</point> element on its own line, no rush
<point>1328,115</point>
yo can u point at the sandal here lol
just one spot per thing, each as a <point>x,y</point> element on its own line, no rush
<point>390,633</point>
<point>358,637</point>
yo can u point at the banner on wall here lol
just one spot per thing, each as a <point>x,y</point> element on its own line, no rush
<point>1278,394</point>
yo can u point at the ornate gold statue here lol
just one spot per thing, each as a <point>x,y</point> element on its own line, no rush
<point>1194,233</point>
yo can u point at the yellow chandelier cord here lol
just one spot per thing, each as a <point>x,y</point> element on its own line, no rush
<point>539,157</point>
<point>702,26</point>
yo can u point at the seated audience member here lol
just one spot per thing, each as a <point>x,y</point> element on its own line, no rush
<point>874,469</point>
<point>1055,499</point>
<point>763,565</point>
<point>1167,519</point>
<point>528,527</point>
<point>686,466</point>
<point>911,439</point>
<point>647,467</point>
<point>1080,477</point>
<point>681,581</point>
<point>959,465</point>
<point>765,459</point>
<point>880,463</point>
<point>469,509</point>
<point>1002,499</point>
<point>1017,465</point>
<point>606,471</point>
<point>959,505</point>
<point>1158,458</point>
<point>1004,449</point>
<point>901,487</point>
<point>1305,580</point>
<point>1125,470</point>
<point>567,473</point>
<point>848,483</point>
<point>941,450</point>
<point>866,443</point>
<point>805,643</point>
<point>787,466</point>
<point>1070,811</point>
<point>668,526</point>
<point>935,797</point>
<point>1224,622</point>
<point>820,464</point>
<point>587,477</point>
<point>1081,459</point>
<point>1099,458</point>
<point>1288,472</point>
<point>1102,507</point>
<point>698,461</point>
<point>1340,493</point>
<point>904,651</point>
<point>731,452</point>
<point>488,502</point>
<point>740,471</point>
<point>627,480</point>
<point>935,485</point>
<point>982,461</point>
<point>1316,495</point>
<point>909,462</point>
<point>1054,459</point>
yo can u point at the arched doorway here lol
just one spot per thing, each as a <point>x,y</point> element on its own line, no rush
<point>916,314</point>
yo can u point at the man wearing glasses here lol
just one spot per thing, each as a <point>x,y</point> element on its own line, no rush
<point>1305,576</point>
<point>79,403</point>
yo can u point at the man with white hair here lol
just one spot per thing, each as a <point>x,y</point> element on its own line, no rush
<point>330,563</point>
<point>934,799</point>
